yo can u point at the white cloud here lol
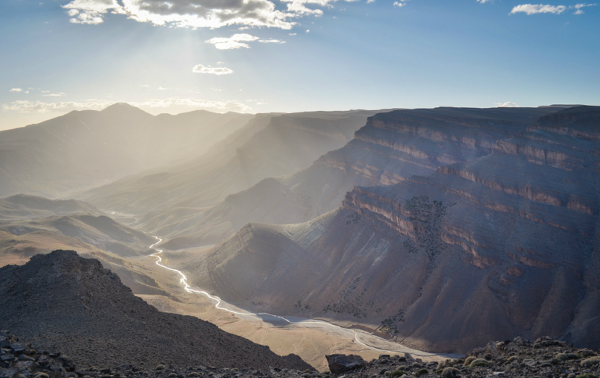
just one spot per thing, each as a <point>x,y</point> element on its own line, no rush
<point>162,89</point>
<point>236,41</point>
<point>193,103</point>
<point>370,1</point>
<point>530,9</point>
<point>507,104</point>
<point>400,3</point>
<point>484,1</point>
<point>579,6</point>
<point>53,94</point>
<point>271,41</point>
<point>211,70</point>
<point>45,107</point>
<point>16,90</point>
<point>183,13</point>
<point>168,103</point>
<point>292,33</point>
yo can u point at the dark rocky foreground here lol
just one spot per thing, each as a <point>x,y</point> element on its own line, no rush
<point>62,302</point>
<point>518,358</point>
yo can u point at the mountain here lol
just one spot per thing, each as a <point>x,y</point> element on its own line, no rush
<point>61,301</point>
<point>173,199</point>
<point>84,149</point>
<point>27,207</point>
<point>500,243</point>
<point>389,148</point>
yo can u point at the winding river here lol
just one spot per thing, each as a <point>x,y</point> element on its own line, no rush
<point>360,337</point>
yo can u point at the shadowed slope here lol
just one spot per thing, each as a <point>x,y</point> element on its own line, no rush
<point>63,302</point>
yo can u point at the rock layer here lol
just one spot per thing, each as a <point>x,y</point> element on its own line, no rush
<point>494,246</point>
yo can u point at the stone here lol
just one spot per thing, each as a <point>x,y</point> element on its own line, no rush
<point>8,373</point>
<point>529,362</point>
<point>589,362</point>
<point>17,348</point>
<point>341,363</point>
<point>450,372</point>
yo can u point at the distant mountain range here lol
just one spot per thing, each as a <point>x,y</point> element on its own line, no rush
<point>84,149</point>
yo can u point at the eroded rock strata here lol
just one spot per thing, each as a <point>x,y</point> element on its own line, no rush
<point>494,246</point>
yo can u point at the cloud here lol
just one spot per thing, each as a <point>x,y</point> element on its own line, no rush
<point>193,103</point>
<point>198,13</point>
<point>53,94</point>
<point>370,1</point>
<point>211,70</point>
<point>507,104</point>
<point>16,90</point>
<point>484,1</point>
<point>45,107</point>
<point>400,3</point>
<point>163,89</point>
<point>271,41</point>
<point>236,41</point>
<point>530,9</point>
<point>168,103</point>
<point>579,6</point>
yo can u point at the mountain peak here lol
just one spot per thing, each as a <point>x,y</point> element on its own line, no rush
<point>124,109</point>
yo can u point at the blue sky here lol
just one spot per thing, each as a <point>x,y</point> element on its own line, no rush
<point>295,55</point>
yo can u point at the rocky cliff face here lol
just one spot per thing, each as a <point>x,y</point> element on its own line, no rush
<point>391,147</point>
<point>502,242</point>
<point>62,302</point>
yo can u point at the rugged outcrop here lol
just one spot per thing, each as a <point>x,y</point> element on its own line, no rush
<point>62,302</point>
<point>501,245</point>
<point>517,358</point>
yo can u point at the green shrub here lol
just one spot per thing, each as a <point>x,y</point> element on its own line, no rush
<point>469,360</point>
<point>421,372</point>
<point>397,373</point>
<point>587,375</point>
<point>479,362</point>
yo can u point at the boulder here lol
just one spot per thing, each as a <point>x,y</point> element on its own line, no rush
<point>341,363</point>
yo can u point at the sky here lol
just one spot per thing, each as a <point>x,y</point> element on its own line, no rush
<point>255,56</point>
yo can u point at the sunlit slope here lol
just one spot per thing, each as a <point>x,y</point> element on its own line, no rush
<point>31,225</point>
<point>502,245</point>
<point>85,148</point>
<point>391,147</point>
<point>27,207</point>
<point>175,197</point>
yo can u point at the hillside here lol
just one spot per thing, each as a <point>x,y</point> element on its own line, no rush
<point>62,302</point>
<point>173,199</point>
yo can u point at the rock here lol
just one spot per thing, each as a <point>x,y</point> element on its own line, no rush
<point>341,363</point>
<point>8,373</point>
<point>529,362</point>
<point>4,342</point>
<point>561,356</point>
<point>160,367</point>
<point>450,372</point>
<point>17,347</point>
<point>585,353</point>
<point>589,362</point>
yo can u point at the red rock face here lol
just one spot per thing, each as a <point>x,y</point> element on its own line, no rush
<point>501,241</point>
